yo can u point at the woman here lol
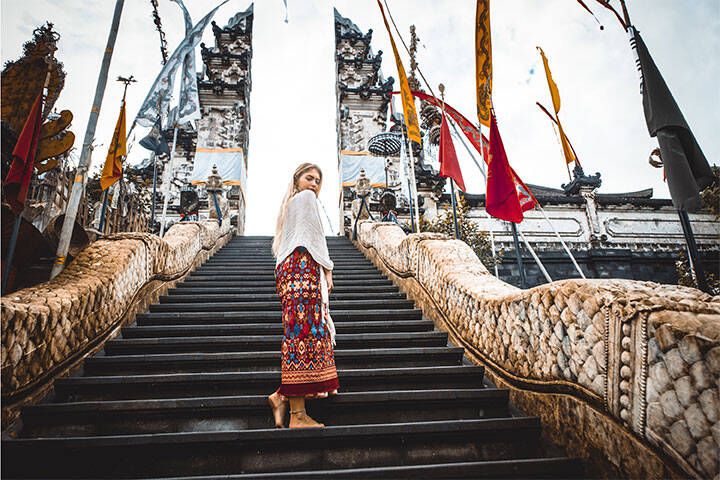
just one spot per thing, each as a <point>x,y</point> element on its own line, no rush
<point>303,276</point>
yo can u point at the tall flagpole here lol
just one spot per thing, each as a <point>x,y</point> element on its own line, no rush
<point>414,186</point>
<point>166,190</point>
<point>152,211</point>
<point>84,163</point>
<point>441,87</point>
<point>18,217</point>
<point>127,82</point>
<point>696,268</point>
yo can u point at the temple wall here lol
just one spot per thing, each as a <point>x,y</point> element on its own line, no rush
<point>624,374</point>
<point>617,226</point>
<point>49,329</point>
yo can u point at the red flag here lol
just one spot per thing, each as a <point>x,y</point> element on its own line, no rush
<point>481,144</point>
<point>23,157</point>
<point>501,199</point>
<point>449,166</point>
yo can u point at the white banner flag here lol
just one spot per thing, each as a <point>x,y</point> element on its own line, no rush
<point>157,101</point>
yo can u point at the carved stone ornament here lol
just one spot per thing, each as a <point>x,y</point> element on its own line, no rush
<point>362,186</point>
<point>214,182</point>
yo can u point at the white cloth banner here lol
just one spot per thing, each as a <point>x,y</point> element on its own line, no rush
<point>230,165</point>
<point>157,101</point>
<point>352,162</point>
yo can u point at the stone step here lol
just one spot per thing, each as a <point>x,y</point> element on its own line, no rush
<point>270,329</point>
<point>270,276</point>
<point>267,250</point>
<point>256,266</point>
<point>252,412</point>
<point>268,245</point>
<point>248,284</point>
<point>535,468</point>
<point>192,296</point>
<point>249,257</point>
<point>259,383</point>
<point>247,343</point>
<point>363,291</point>
<point>155,363</point>
<point>389,305</point>
<point>244,256</point>
<point>268,450</point>
<point>182,289</point>
<point>209,318</point>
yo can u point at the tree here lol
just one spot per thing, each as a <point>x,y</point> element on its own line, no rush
<point>469,230</point>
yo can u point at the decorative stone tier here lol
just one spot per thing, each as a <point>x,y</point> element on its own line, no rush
<point>48,329</point>
<point>624,374</point>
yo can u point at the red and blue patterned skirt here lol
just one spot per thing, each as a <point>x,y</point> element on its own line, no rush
<point>308,359</point>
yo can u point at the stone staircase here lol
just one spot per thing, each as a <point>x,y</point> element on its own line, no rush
<point>183,392</point>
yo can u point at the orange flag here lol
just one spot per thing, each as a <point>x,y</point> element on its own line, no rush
<point>411,121</point>
<point>116,153</point>
<point>555,94</point>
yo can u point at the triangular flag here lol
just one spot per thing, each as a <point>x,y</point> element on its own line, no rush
<point>17,180</point>
<point>112,171</point>
<point>449,166</point>
<point>501,200</point>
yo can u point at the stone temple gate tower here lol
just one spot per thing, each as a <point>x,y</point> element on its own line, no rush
<point>362,100</point>
<point>224,88</point>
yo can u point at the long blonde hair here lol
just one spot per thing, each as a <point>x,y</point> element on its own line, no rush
<point>291,192</point>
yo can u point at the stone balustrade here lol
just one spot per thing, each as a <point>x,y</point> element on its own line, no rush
<point>49,328</point>
<point>624,374</point>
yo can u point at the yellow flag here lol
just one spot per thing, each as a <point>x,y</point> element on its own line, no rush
<point>551,83</point>
<point>408,101</point>
<point>116,153</point>
<point>483,61</point>
<point>555,94</point>
<point>567,151</point>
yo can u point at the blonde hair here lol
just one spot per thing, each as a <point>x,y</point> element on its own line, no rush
<point>291,192</point>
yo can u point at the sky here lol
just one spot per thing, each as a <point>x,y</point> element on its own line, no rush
<point>293,73</point>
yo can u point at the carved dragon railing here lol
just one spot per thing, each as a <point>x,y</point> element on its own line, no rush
<point>624,374</point>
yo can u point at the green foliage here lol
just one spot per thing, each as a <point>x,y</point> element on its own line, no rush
<point>469,231</point>
<point>711,195</point>
<point>711,200</point>
<point>685,275</point>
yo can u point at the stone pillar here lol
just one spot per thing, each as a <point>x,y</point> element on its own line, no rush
<point>596,230</point>
<point>362,96</point>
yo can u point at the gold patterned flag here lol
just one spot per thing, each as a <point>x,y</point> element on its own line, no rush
<point>116,153</point>
<point>411,121</point>
<point>483,61</point>
<point>555,94</point>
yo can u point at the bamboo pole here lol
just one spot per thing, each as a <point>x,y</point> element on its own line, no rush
<point>84,163</point>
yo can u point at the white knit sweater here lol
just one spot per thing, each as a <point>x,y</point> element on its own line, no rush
<point>303,227</point>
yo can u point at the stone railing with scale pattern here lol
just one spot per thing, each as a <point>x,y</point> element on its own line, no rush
<point>642,359</point>
<point>48,328</point>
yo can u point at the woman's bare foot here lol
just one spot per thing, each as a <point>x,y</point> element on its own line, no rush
<point>301,419</point>
<point>279,405</point>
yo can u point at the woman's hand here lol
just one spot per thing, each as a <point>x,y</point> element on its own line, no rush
<point>328,277</point>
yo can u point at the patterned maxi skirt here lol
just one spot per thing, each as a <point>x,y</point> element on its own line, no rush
<point>308,360</point>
